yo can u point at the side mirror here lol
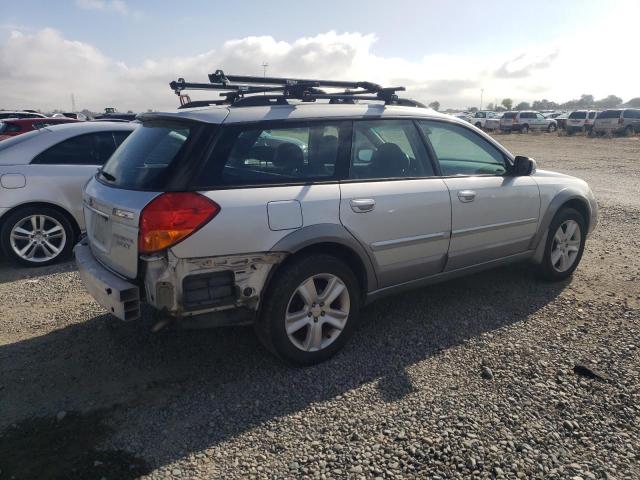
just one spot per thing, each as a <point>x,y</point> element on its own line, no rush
<point>523,166</point>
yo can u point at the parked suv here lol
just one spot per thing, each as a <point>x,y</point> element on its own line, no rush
<point>580,121</point>
<point>621,120</point>
<point>42,173</point>
<point>196,215</point>
<point>526,120</point>
<point>485,119</point>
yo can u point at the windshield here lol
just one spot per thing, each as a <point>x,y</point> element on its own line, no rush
<point>149,156</point>
<point>610,114</point>
<point>582,114</point>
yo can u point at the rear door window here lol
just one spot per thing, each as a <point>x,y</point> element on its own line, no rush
<point>610,114</point>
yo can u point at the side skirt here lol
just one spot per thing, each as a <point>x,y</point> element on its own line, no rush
<point>443,277</point>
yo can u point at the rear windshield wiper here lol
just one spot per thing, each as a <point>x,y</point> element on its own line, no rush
<point>108,176</point>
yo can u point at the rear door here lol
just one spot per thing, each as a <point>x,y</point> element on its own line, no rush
<point>394,203</point>
<point>494,215</point>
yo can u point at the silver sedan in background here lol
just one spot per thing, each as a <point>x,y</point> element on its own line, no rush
<point>41,178</point>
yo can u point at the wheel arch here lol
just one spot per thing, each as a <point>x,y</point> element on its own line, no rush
<point>568,198</point>
<point>328,239</point>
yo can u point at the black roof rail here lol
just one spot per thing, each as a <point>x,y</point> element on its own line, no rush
<point>242,90</point>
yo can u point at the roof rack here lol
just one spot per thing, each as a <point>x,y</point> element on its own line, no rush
<point>241,90</point>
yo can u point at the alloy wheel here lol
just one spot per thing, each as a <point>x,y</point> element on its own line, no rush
<point>38,238</point>
<point>566,246</point>
<point>317,312</point>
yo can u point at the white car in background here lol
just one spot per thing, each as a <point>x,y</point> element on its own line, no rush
<point>485,119</point>
<point>580,121</point>
<point>41,178</point>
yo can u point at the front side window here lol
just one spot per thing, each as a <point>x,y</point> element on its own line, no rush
<point>388,149</point>
<point>87,149</point>
<point>276,153</point>
<point>539,116</point>
<point>462,152</point>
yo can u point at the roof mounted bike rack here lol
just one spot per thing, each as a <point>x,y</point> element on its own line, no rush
<point>242,90</point>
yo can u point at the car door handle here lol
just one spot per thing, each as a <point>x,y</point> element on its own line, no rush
<point>362,205</point>
<point>466,196</point>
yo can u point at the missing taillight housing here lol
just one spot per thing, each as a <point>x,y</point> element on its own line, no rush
<point>172,217</point>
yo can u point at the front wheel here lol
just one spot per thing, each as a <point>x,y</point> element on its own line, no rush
<point>564,247</point>
<point>310,309</point>
<point>629,131</point>
<point>552,128</point>
<point>37,236</point>
<point>524,129</point>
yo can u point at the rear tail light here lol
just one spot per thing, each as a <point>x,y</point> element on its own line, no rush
<point>172,217</point>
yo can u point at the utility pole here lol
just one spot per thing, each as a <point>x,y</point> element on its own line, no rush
<point>73,103</point>
<point>264,69</point>
<point>481,95</point>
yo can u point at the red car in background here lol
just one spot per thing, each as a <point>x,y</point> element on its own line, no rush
<point>11,127</point>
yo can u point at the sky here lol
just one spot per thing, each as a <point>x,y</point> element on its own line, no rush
<point>124,53</point>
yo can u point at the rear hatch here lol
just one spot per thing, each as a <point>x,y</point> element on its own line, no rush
<point>608,119</point>
<point>507,119</point>
<point>577,118</point>
<point>157,157</point>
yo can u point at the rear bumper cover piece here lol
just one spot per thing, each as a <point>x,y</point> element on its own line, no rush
<point>119,297</point>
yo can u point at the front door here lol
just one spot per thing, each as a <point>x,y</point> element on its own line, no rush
<point>494,215</point>
<point>394,204</point>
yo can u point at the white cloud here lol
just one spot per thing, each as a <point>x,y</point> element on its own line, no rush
<point>118,6</point>
<point>41,70</point>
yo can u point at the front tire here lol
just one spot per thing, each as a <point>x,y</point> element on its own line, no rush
<point>564,247</point>
<point>524,129</point>
<point>37,236</point>
<point>310,309</point>
<point>552,128</point>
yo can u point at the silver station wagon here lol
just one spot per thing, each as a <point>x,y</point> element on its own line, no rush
<point>289,208</point>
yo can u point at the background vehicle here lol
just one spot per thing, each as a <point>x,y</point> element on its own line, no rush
<point>524,121</point>
<point>41,177</point>
<point>620,120</point>
<point>111,113</point>
<point>13,127</point>
<point>294,240</point>
<point>580,121</point>
<point>479,119</point>
<point>20,114</point>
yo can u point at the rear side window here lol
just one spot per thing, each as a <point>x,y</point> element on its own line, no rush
<point>87,149</point>
<point>592,115</point>
<point>508,115</point>
<point>631,114</point>
<point>578,115</point>
<point>461,151</point>
<point>9,128</point>
<point>610,114</point>
<point>275,153</point>
<point>149,156</point>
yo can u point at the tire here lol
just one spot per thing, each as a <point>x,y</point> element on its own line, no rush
<point>552,128</point>
<point>479,125</point>
<point>51,238</point>
<point>301,346</point>
<point>551,268</point>
<point>524,129</point>
<point>629,131</point>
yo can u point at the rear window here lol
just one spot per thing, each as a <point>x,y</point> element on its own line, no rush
<point>578,115</point>
<point>149,157</point>
<point>610,114</point>
<point>509,115</point>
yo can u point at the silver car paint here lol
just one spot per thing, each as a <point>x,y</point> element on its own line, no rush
<point>396,251</point>
<point>59,185</point>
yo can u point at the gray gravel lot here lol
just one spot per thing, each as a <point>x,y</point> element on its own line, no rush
<point>474,377</point>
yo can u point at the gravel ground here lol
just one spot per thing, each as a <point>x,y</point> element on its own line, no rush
<point>494,375</point>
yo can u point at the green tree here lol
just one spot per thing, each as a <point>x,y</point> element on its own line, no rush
<point>633,103</point>
<point>507,103</point>
<point>608,102</point>
<point>491,106</point>
<point>523,106</point>
<point>435,105</point>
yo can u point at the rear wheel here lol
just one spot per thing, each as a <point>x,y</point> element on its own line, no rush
<point>310,309</point>
<point>552,128</point>
<point>524,129</point>
<point>629,131</point>
<point>478,124</point>
<point>37,236</point>
<point>564,247</point>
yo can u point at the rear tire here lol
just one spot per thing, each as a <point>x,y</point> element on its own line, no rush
<point>552,128</point>
<point>300,320</point>
<point>564,246</point>
<point>37,236</point>
<point>524,129</point>
<point>629,131</point>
